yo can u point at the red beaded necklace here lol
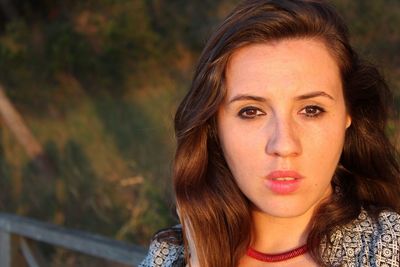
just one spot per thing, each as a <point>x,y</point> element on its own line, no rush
<point>276,257</point>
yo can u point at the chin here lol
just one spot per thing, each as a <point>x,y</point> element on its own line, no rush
<point>286,214</point>
<point>286,211</point>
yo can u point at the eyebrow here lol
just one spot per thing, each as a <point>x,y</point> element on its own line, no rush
<point>314,94</point>
<point>243,97</point>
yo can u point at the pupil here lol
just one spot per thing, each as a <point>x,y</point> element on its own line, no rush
<point>251,112</point>
<point>311,110</point>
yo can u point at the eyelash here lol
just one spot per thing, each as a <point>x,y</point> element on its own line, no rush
<point>258,112</point>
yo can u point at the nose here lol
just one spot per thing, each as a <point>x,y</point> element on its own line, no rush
<point>283,139</point>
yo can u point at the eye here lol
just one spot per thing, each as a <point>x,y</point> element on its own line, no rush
<point>250,112</point>
<point>312,111</point>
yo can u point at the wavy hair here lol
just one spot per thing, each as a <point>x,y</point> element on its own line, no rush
<point>209,201</point>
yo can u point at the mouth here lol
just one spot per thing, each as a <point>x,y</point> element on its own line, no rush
<point>284,175</point>
<point>284,179</point>
<point>283,182</point>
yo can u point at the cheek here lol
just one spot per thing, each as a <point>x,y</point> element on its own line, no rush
<point>243,149</point>
<point>233,149</point>
<point>322,148</point>
<point>328,138</point>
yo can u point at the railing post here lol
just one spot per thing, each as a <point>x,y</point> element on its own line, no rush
<point>5,249</point>
<point>28,255</point>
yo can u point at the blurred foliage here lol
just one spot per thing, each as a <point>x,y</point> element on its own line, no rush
<point>98,81</point>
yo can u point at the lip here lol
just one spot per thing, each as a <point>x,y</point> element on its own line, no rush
<point>283,187</point>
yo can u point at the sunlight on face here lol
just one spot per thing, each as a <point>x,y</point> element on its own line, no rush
<point>282,124</point>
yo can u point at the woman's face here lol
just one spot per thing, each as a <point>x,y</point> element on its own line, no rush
<point>282,124</point>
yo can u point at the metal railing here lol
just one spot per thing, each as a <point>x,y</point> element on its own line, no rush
<point>78,241</point>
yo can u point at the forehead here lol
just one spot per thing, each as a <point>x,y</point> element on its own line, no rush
<point>301,63</point>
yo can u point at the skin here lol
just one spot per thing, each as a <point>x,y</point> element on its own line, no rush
<point>284,110</point>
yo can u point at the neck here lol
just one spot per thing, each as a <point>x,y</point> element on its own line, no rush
<point>275,235</point>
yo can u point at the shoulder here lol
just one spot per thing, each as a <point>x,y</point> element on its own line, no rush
<point>166,249</point>
<point>389,224</point>
<point>382,230</point>
<point>368,241</point>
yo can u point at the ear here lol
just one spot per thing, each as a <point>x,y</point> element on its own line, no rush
<point>348,121</point>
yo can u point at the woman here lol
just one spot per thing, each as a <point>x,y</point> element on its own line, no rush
<point>282,158</point>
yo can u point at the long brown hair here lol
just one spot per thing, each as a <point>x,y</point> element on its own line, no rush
<point>209,201</point>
